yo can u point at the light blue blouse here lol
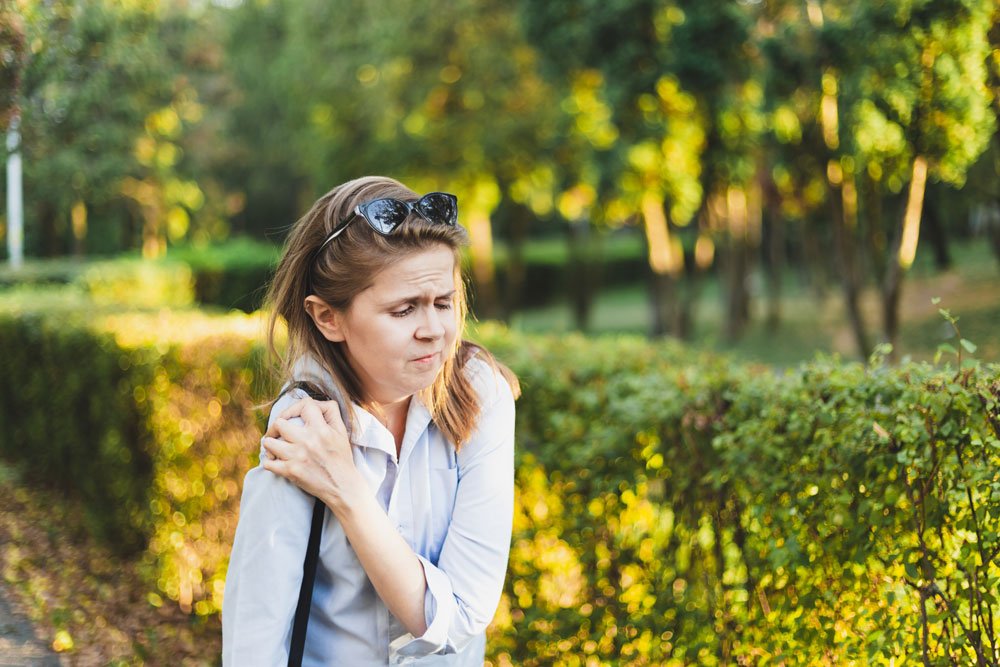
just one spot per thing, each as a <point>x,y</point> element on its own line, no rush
<point>454,509</point>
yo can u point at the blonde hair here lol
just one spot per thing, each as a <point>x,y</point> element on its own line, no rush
<point>342,269</point>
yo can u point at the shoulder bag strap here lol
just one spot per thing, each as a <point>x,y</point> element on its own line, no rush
<point>298,643</point>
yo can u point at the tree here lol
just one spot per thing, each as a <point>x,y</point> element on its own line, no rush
<point>95,71</point>
<point>923,85</point>
<point>12,46</point>
<point>438,94</point>
<point>886,95</point>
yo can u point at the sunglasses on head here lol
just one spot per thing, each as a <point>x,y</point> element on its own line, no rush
<point>386,215</point>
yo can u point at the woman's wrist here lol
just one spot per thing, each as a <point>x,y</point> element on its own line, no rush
<point>343,495</point>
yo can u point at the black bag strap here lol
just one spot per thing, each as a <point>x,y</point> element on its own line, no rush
<point>298,643</point>
<point>297,646</point>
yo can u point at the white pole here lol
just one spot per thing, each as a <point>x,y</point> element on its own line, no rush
<point>15,204</point>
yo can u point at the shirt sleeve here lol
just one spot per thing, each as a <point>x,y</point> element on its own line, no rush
<point>262,583</point>
<point>464,586</point>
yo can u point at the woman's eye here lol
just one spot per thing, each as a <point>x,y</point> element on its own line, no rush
<point>443,305</point>
<point>402,313</point>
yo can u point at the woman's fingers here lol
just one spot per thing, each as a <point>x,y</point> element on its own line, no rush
<point>311,413</point>
<point>277,449</point>
<point>286,430</point>
<point>331,413</point>
<point>328,410</point>
<point>280,468</point>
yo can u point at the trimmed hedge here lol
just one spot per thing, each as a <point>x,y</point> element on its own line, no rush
<point>134,415</point>
<point>676,509</point>
<point>234,274</point>
<point>672,507</point>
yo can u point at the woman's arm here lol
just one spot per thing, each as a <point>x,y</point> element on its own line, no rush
<point>265,573</point>
<point>445,604</point>
<point>316,457</point>
<point>465,584</point>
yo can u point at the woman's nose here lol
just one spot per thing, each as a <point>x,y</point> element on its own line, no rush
<point>431,325</point>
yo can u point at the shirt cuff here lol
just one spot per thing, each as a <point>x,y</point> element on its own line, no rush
<point>439,609</point>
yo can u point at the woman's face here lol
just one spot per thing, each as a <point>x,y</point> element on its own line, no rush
<point>398,332</point>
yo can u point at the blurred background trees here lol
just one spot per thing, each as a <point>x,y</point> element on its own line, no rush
<point>735,151</point>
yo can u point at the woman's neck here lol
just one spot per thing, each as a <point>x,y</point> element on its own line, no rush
<point>394,419</point>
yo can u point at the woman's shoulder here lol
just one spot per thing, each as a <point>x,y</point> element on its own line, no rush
<point>308,378</point>
<point>494,423</point>
<point>488,379</point>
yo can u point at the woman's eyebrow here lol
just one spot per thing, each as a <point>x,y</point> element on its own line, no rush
<point>417,298</point>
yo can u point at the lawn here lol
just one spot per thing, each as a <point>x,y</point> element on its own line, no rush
<point>814,324</point>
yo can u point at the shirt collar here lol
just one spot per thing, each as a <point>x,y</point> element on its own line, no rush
<point>370,432</point>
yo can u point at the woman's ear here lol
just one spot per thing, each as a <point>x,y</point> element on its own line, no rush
<point>326,318</point>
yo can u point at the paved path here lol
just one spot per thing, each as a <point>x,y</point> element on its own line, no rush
<point>18,645</point>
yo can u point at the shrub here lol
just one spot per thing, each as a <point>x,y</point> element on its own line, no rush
<point>231,274</point>
<point>672,507</point>
<point>61,271</point>
<point>133,415</point>
<point>678,510</point>
<point>125,282</point>
<point>138,283</point>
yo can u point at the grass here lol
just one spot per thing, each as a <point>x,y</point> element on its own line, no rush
<point>811,324</point>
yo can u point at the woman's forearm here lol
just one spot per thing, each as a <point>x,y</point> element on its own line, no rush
<point>393,568</point>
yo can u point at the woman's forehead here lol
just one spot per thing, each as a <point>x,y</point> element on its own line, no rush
<point>430,271</point>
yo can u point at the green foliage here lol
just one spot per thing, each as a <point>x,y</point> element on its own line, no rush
<point>134,416</point>
<point>917,86</point>
<point>673,507</point>
<point>95,69</point>
<point>233,274</point>
<point>676,509</point>
<point>12,49</point>
<point>137,283</point>
<point>73,422</point>
<point>106,284</point>
<point>41,272</point>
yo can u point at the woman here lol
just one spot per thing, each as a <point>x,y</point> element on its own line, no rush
<point>414,463</point>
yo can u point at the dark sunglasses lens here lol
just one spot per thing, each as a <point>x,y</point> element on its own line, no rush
<point>385,215</point>
<point>439,207</point>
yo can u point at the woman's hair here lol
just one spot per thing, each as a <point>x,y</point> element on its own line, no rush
<point>346,267</point>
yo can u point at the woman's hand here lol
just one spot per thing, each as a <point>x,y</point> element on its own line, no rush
<point>315,455</point>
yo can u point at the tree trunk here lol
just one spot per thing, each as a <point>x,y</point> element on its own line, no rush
<point>994,233</point>
<point>774,256</point>
<point>78,217</point>
<point>816,269</point>
<point>666,261</point>
<point>849,275</point>
<point>874,228</point>
<point>909,235</point>
<point>48,231</point>
<point>936,234</point>
<point>737,264</point>
<point>483,269</point>
<point>663,301</point>
<point>581,273</point>
<point>516,270</point>
<point>154,244</point>
<point>687,296</point>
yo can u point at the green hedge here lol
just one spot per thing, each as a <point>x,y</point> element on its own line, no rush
<point>675,509</point>
<point>134,416</point>
<point>125,282</point>
<point>234,274</point>
<point>672,507</point>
